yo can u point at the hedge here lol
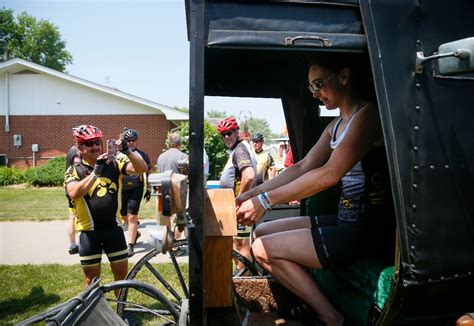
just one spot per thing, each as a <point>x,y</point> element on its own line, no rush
<point>49,174</point>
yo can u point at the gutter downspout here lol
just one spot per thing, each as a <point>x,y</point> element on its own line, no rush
<point>7,101</point>
<point>175,129</point>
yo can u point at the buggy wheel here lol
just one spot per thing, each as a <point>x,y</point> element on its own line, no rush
<point>144,270</point>
<point>249,266</point>
<point>146,301</point>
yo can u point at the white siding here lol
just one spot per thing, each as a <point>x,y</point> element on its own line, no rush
<point>3,94</point>
<point>42,94</point>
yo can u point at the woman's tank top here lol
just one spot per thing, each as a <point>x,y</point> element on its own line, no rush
<point>365,189</point>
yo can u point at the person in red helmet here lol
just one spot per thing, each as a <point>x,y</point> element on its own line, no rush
<point>240,174</point>
<point>93,187</point>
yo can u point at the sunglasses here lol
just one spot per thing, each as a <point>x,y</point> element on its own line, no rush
<point>318,84</point>
<point>131,140</point>
<point>91,143</point>
<point>227,133</point>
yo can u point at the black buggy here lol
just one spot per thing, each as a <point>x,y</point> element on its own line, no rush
<point>421,57</point>
<point>420,63</point>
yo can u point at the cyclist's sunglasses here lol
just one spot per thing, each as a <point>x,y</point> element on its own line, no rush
<point>318,84</point>
<point>91,143</point>
<point>227,133</point>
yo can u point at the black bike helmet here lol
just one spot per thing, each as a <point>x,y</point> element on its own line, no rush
<point>130,133</point>
<point>257,137</point>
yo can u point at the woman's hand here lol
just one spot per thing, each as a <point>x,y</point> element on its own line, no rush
<point>250,212</point>
<point>241,198</point>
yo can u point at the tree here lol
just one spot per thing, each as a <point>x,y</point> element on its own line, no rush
<point>183,109</point>
<point>29,39</point>
<point>214,146</point>
<point>216,114</point>
<point>259,125</point>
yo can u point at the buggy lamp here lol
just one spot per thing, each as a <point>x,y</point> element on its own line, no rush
<point>170,190</point>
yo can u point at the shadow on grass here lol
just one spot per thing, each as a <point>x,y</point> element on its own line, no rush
<point>34,301</point>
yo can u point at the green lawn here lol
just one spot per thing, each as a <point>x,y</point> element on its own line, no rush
<point>27,290</point>
<point>23,203</point>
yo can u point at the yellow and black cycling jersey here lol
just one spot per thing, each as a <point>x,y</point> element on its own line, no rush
<point>100,207</point>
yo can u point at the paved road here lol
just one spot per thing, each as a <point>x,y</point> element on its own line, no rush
<point>47,243</point>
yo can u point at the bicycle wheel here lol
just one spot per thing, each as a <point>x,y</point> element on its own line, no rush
<point>147,269</point>
<point>249,267</point>
<point>148,301</point>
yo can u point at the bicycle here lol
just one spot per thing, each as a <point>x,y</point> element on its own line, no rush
<point>91,307</point>
<point>125,308</point>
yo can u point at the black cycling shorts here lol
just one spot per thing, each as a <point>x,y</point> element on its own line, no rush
<point>93,243</point>
<point>131,199</point>
<point>340,243</point>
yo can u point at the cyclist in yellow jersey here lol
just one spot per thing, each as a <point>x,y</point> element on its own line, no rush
<point>265,163</point>
<point>93,186</point>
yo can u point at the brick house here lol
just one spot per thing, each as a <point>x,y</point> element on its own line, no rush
<point>40,106</point>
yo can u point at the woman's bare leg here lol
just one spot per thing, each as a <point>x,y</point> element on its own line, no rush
<point>284,224</point>
<point>283,254</point>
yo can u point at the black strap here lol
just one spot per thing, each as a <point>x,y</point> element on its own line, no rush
<point>166,193</point>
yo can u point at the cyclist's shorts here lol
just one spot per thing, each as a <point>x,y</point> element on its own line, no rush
<point>110,240</point>
<point>243,232</point>
<point>131,199</point>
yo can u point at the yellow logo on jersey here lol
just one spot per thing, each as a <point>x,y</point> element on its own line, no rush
<point>103,186</point>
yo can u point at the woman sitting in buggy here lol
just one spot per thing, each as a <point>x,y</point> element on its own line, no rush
<point>350,151</point>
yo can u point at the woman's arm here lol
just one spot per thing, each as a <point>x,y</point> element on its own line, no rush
<point>317,156</point>
<point>365,130</point>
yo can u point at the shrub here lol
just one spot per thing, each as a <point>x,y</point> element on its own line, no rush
<point>10,176</point>
<point>215,148</point>
<point>49,174</point>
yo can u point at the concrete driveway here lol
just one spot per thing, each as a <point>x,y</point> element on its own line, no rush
<point>47,243</point>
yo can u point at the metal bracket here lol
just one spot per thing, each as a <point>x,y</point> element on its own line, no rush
<point>421,59</point>
<point>324,41</point>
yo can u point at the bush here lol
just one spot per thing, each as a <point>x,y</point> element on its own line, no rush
<point>10,176</point>
<point>215,148</point>
<point>49,174</point>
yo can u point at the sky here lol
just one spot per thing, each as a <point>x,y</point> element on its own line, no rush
<point>139,47</point>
